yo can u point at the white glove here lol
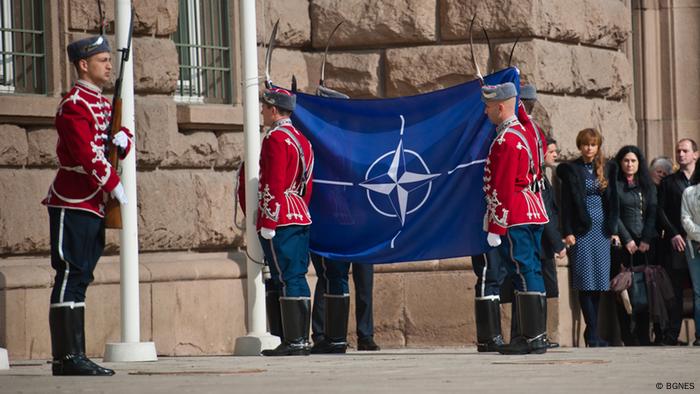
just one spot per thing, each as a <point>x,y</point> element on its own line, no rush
<point>493,239</point>
<point>267,233</point>
<point>119,194</point>
<point>121,140</point>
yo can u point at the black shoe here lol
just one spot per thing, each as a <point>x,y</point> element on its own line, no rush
<point>697,342</point>
<point>490,346</point>
<point>296,314</point>
<point>550,344</point>
<point>367,344</point>
<point>523,345</point>
<point>78,365</point>
<point>327,347</point>
<point>669,342</point>
<point>288,349</point>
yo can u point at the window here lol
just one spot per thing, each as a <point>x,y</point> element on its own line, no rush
<point>204,52</point>
<point>22,53</point>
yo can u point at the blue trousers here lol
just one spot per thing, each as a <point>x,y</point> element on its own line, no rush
<point>333,279</point>
<point>287,253</point>
<point>490,273</point>
<point>520,251</point>
<point>77,241</point>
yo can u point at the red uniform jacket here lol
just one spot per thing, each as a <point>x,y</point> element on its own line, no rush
<point>512,177</point>
<point>84,176</point>
<point>280,199</point>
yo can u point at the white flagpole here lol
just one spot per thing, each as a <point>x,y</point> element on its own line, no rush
<point>257,338</point>
<point>4,359</point>
<point>130,348</point>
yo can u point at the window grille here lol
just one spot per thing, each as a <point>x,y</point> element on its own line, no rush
<point>22,47</point>
<point>204,52</point>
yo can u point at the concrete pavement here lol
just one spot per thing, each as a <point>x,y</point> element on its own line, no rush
<point>566,370</point>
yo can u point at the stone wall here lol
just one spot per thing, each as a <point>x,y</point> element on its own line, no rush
<point>574,51</point>
<point>383,49</point>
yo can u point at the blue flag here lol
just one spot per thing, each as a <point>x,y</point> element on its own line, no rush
<point>399,179</point>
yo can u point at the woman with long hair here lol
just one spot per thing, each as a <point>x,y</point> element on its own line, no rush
<point>690,218</point>
<point>636,231</point>
<point>589,216</point>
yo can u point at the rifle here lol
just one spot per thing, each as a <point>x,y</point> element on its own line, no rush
<point>113,214</point>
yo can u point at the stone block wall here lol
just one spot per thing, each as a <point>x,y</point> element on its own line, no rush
<point>187,155</point>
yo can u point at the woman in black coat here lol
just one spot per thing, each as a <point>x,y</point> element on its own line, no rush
<point>589,215</point>
<point>636,231</point>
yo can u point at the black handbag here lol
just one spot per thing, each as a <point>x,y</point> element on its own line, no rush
<point>638,290</point>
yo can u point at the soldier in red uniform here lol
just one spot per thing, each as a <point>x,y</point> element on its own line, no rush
<point>284,192</point>
<point>76,201</point>
<point>515,212</point>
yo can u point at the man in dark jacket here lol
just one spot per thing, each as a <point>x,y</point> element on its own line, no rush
<point>669,217</point>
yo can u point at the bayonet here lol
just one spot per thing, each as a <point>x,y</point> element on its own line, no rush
<point>268,55</point>
<point>471,48</point>
<point>325,53</point>
<point>510,58</point>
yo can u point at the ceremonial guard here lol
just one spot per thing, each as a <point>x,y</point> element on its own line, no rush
<point>515,212</point>
<point>284,191</point>
<point>490,274</point>
<point>331,307</point>
<point>76,201</point>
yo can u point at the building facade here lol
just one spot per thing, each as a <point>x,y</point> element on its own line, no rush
<point>627,67</point>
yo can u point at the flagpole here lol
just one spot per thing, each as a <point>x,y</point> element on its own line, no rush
<point>130,348</point>
<point>257,338</point>
<point>4,359</point>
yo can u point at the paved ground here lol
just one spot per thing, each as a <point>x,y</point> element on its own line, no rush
<point>568,370</point>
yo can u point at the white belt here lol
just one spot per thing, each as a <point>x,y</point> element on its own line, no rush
<point>78,169</point>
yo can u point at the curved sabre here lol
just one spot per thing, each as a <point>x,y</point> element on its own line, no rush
<point>325,54</point>
<point>489,62</point>
<point>510,58</point>
<point>268,55</point>
<point>471,48</point>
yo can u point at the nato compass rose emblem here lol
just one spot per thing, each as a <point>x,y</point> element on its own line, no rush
<point>398,183</point>
<point>388,189</point>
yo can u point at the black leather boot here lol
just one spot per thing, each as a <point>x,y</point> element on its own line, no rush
<point>488,325</point>
<point>335,325</point>
<point>296,319</point>
<point>274,314</point>
<point>68,344</point>
<point>532,325</point>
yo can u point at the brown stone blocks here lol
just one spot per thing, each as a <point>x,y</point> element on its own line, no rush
<point>568,115</point>
<point>167,210</point>
<point>156,126</point>
<point>13,145</point>
<point>437,306</point>
<point>152,17</point>
<point>156,67</point>
<point>42,147</point>
<point>201,215</point>
<point>427,68</point>
<point>355,74</point>
<point>286,63</point>
<point>597,22</point>
<point>197,319</point>
<point>373,23</point>
<point>567,69</point>
<point>24,222</point>
<point>231,149</point>
<point>26,331</point>
<point>294,29</point>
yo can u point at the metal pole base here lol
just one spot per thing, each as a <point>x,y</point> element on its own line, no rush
<point>253,345</point>
<point>4,359</point>
<point>128,352</point>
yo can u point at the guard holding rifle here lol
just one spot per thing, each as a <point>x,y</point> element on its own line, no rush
<point>77,198</point>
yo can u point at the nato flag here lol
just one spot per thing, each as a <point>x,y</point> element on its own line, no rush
<point>399,179</point>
